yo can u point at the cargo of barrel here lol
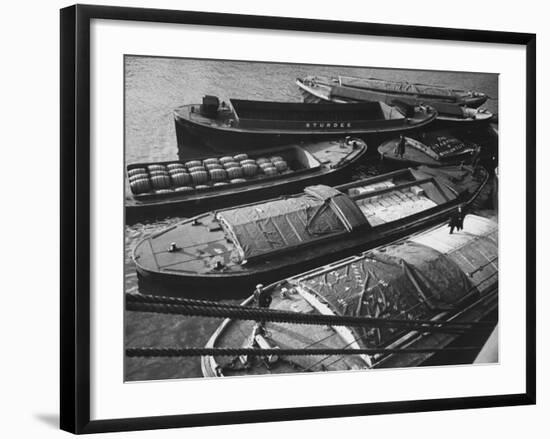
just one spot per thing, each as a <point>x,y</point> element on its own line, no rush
<point>146,180</point>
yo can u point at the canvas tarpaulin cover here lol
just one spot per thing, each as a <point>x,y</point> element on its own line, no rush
<point>263,228</point>
<point>403,87</point>
<point>409,280</point>
<point>453,180</point>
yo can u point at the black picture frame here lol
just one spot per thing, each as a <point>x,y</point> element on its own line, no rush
<point>75,216</point>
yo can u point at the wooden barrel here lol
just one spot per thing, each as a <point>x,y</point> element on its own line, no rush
<point>237,180</point>
<point>270,171</point>
<point>248,162</point>
<point>136,171</point>
<point>250,169</point>
<point>280,165</point>
<point>211,161</point>
<point>226,159</point>
<point>234,172</point>
<point>174,166</point>
<point>210,166</point>
<point>164,191</point>
<point>160,181</point>
<point>197,168</point>
<point>220,183</point>
<point>156,173</point>
<point>240,157</point>
<point>156,167</point>
<point>138,176</point>
<point>276,158</point>
<point>193,164</point>
<point>140,186</point>
<point>199,176</point>
<point>232,164</point>
<point>218,174</point>
<point>181,179</point>
<point>201,187</point>
<point>177,171</point>
<point>184,189</point>
<point>266,165</point>
<point>262,160</point>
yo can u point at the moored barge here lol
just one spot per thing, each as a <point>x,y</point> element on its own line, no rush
<point>431,276</point>
<point>185,187</point>
<point>224,253</point>
<point>434,149</point>
<point>377,89</point>
<point>453,106</point>
<point>245,125</point>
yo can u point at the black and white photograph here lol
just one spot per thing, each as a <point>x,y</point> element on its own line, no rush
<point>275,219</point>
<point>289,218</point>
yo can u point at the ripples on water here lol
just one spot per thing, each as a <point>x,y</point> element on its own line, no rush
<point>153,88</point>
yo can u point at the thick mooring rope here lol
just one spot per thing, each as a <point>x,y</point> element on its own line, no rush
<point>230,352</point>
<point>180,306</point>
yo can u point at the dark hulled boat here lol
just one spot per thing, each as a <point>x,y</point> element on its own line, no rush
<point>435,149</point>
<point>429,276</point>
<point>182,188</point>
<point>245,125</point>
<point>224,253</point>
<point>453,106</point>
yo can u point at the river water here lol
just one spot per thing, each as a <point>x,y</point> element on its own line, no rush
<point>153,88</point>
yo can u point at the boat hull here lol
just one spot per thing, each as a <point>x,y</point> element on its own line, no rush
<point>213,139</point>
<point>449,114</point>
<point>225,286</point>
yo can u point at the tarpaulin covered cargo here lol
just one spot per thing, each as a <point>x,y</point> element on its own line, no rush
<point>261,229</point>
<point>452,180</point>
<point>414,279</point>
<point>404,87</point>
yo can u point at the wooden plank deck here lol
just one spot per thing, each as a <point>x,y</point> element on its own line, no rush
<point>282,335</point>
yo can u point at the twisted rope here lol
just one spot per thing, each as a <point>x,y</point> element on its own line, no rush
<point>230,352</point>
<point>202,308</point>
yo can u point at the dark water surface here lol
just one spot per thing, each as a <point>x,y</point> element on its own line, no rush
<point>153,88</point>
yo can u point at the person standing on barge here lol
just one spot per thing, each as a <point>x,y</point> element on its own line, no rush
<point>457,220</point>
<point>400,148</point>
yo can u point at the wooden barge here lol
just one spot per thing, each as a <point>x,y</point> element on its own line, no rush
<point>453,106</point>
<point>251,125</point>
<point>173,188</point>
<point>432,275</point>
<point>433,149</point>
<point>224,253</point>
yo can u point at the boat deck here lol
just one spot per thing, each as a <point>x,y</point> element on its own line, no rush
<point>290,336</point>
<point>394,205</point>
<point>331,152</point>
<point>198,252</point>
<point>235,241</point>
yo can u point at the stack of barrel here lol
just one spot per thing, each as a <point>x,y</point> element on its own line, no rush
<point>202,174</point>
